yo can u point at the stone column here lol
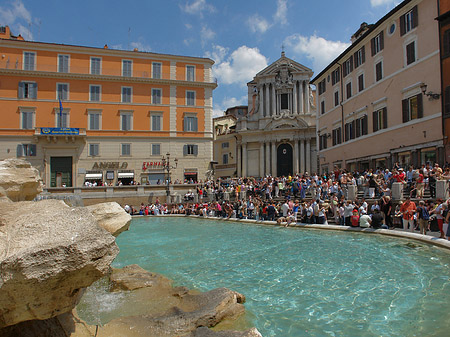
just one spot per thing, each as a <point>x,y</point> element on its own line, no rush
<point>308,155</point>
<point>300,96</point>
<point>261,159</point>
<point>238,160</point>
<point>244,159</point>
<point>294,105</point>
<point>295,156</point>
<point>397,191</point>
<point>302,156</point>
<point>441,189</point>
<point>268,171</point>
<point>261,102</point>
<point>274,159</point>
<point>267,95</point>
<point>307,97</point>
<point>274,101</point>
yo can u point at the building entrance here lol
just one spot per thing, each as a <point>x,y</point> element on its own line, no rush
<point>284,160</point>
<point>61,171</point>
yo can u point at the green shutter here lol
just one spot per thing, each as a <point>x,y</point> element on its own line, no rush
<point>385,123</point>
<point>415,17</point>
<point>419,106</point>
<point>405,109</point>
<point>19,151</point>
<point>375,121</point>
<point>195,150</point>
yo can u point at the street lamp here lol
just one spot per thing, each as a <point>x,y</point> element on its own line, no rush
<point>168,167</point>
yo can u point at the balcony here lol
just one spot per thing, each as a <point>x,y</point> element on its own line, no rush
<point>55,134</point>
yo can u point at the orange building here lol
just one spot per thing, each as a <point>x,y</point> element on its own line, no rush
<point>95,114</point>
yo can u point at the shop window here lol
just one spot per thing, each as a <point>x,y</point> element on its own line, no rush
<point>26,150</point>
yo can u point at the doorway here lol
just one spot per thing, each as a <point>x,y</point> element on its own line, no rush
<point>61,172</point>
<point>284,160</point>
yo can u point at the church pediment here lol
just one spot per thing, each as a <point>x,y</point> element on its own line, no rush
<point>286,64</point>
<point>286,122</point>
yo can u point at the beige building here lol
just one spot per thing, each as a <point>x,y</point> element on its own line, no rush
<point>374,106</point>
<point>225,143</point>
<point>278,134</point>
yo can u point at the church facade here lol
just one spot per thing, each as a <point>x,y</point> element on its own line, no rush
<point>278,135</point>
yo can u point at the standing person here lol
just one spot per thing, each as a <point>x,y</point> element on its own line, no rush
<point>386,208</point>
<point>408,209</point>
<point>423,217</point>
<point>440,219</point>
<point>348,210</point>
<point>271,211</point>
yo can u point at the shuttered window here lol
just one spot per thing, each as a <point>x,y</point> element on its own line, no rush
<point>348,88</point>
<point>190,124</point>
<point>336,136</point>
<point>379,71</point>
<point>359,57</point>
<point>412,108</point>
<point>190,150</point>
<point>380,119</point>
<point>411,53</point>
<point>27,90</point>
<point>377,43</point>
<point>29,59</point>
<point>409,21</point>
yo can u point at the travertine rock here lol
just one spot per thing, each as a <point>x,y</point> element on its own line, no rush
<point>19,181</point>
<point>49,252</point>
<point>111,216</point>
<point>133,277</point>
<point>205,332</point>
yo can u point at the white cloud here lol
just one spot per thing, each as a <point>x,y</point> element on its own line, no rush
<point>376,3</point>
<point>218,54</point>
<point>240,66</point>
<point>141,46</point>
<point>258,24</point>
<point>228,102</point>
<point>206,34</point>
<point>316,48</point>
<point>198,7</point>
<point>280,15</point>
<point>18,18</point>
<point>188,26</point>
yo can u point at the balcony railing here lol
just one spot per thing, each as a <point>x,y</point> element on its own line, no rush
<point>60,132</point>
<point>6,64</point>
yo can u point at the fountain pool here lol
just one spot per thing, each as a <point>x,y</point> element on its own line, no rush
<point>301,282</point>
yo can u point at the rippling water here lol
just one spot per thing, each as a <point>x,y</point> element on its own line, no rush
<point>302,282</point>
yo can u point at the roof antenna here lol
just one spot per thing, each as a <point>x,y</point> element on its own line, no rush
<point>129,34</point>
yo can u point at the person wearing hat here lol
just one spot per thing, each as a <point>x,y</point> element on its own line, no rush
<point>399,176</point>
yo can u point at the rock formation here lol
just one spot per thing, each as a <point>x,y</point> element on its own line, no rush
<point>49,252</point>
<point>111,216</point>
<point>19,180</point>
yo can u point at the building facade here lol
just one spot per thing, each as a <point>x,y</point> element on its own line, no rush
<point>94,114</point>
<point>375,101</point>
<point>444,34</point>
<point>277,135</point>
<point>225,157</point>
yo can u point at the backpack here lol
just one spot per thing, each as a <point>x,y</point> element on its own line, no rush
<point>425,214</point>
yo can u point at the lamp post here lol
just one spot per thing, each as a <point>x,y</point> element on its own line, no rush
<point>167,166</point>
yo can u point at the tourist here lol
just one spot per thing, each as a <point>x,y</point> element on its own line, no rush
<point>439,216</point>
<point>386,209</point>
<point>408,210</point>
<point>378,220</point>
<point>423,217</point>
<point>354,218</point>
<point>365,221</point>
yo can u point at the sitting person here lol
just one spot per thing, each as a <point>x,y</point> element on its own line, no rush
<point>378,220</point>
<point>365,221</point>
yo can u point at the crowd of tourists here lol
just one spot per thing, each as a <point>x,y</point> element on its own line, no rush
<point>314,199</point>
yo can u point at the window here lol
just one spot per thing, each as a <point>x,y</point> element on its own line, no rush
<point>27,119</point>
<point>125,149</point>
<point>156,122</point>
<point>322,87</point>
<point>411,53</point>
<point>336,136</point>
<point>26,150</point>
<point>156,96</point>
<point>126,121</point>
<point>446,44</point>
<point>63,63</point>
<point>127,93</point>
<point>127,66</point>
<point>348,88</point>
<point>96,64</point>
<point>190,123</point>
<point>62,119</point>
<point>322,107</point>
<point>156,149</point>
<point>94,93</point>
<point>322,142</point>
<point>360,57</point>
<point>94,120</point>
<point>62,91</point>
<point>380,119</point>
<point>29,60</point>
<point>94,149</point>
<point>361,82</point>
<point>225,145</point>
<point>190,98</point>
<point>379,71</point>
<point>335,76</point>
<point>350,130</point>
<point>190,73</point>
<point>27,90</point>
<point>284,101</point>
<point>412,108</point>
<point>225,159</point>
<point>156,70</point>
<point>377,43</point>
<point>409,21</point>
<point>348,66</point>
<point>336,98</point>
<point>190,150</point>
<point>361,126</point>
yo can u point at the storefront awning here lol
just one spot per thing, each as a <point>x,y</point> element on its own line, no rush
<point>190,173</point>
<point>93,176</point>
<point>125,175</point>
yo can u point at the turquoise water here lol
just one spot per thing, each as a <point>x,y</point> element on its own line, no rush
<point>302,282</point>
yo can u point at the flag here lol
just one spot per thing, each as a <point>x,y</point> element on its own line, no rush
<point>60,112</point>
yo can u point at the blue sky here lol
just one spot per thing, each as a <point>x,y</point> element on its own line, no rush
<point>242,37</point>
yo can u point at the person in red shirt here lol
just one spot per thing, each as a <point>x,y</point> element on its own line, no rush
<point>420,184</point>
<point>399,176</point>
<point>355,218</point>
<point>408,210</point>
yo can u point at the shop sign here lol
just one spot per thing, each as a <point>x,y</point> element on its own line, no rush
<point>111,165</point>
<point>60,131</point>
<point>152,165</point>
